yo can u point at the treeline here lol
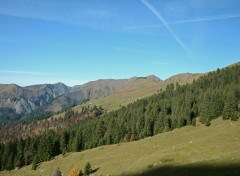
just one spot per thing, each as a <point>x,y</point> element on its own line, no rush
<point>211,96</point>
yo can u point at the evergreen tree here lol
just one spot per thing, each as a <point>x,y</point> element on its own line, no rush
<point>140,126</point>
<point>19,161</point>
<point>64,139</point>
<point>34,163</point>
<point>56,146</point>
<point>88,169</point>
<point>149,127</point>
<point>229,106</point>
<point>76,145</point>
<point>80,173</point>
<point>101,129</point>
<point>45,148</point>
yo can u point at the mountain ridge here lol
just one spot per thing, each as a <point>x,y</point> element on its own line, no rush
<point>57,97</point>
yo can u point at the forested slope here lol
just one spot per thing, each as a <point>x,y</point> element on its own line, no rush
<point>211,96</point>
<point>191,151</point>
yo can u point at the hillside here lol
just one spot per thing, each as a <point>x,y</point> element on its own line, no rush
<point>17,102</point>
<point>135,88</point>
<point>139,88</point>
<point>190,150</point>
<point>90,91</point>
<point>36,99</point>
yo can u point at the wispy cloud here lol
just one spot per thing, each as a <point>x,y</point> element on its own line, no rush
<point>209,18</point>
<point>159,63</point>
<point>203,19</point>
<point>24,72</point>
<point>164,22</point>
<point>74,13</point>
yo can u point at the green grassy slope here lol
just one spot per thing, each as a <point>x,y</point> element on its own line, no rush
<point>140,88</point>
<point>210,150</point>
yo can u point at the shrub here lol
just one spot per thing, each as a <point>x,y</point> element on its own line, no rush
<point>58,172</point>
<point>80,173</point>
<point>88,169</point>
<point>208,123</point>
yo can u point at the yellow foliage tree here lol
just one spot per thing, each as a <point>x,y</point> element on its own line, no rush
<point>74,172</point>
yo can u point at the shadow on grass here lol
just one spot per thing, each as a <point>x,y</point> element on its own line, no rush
<point>192,170</point>
<point>95,170</point>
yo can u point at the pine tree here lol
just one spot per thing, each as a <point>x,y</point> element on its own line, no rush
<point>34,163</point>
<point>101,129</point>
<point>235,116</point>
<point>149,128</point>
<point>64,139</point>
<point>88,169</point>
<point>140,126</point>
<point>56,146</point>
<point>229,106</point>
<point>167,123</point>
<point>19,158</point>
<point>80,173</point>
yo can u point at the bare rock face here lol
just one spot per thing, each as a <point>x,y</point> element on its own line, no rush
<point>24,100</point>
<point>21,106</point>
<point>24,106</point>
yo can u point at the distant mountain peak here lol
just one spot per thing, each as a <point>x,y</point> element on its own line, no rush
<point>60,83</point>
<point>154,78</point>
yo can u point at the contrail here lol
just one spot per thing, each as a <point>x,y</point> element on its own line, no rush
<point>164,22</point>
<point>203,19</point>
<point>210,18</point>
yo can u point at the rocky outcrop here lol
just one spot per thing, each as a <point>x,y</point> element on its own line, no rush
<point>24,100</point>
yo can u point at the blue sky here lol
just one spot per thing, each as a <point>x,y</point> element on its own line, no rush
<point>75,41</point>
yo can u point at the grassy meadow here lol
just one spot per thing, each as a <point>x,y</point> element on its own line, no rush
<point>199,150</point>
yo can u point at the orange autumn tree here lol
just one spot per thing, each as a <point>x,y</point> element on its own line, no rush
<point>74,172</point>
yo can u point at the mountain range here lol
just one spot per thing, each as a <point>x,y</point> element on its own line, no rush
<point>18,102</point>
